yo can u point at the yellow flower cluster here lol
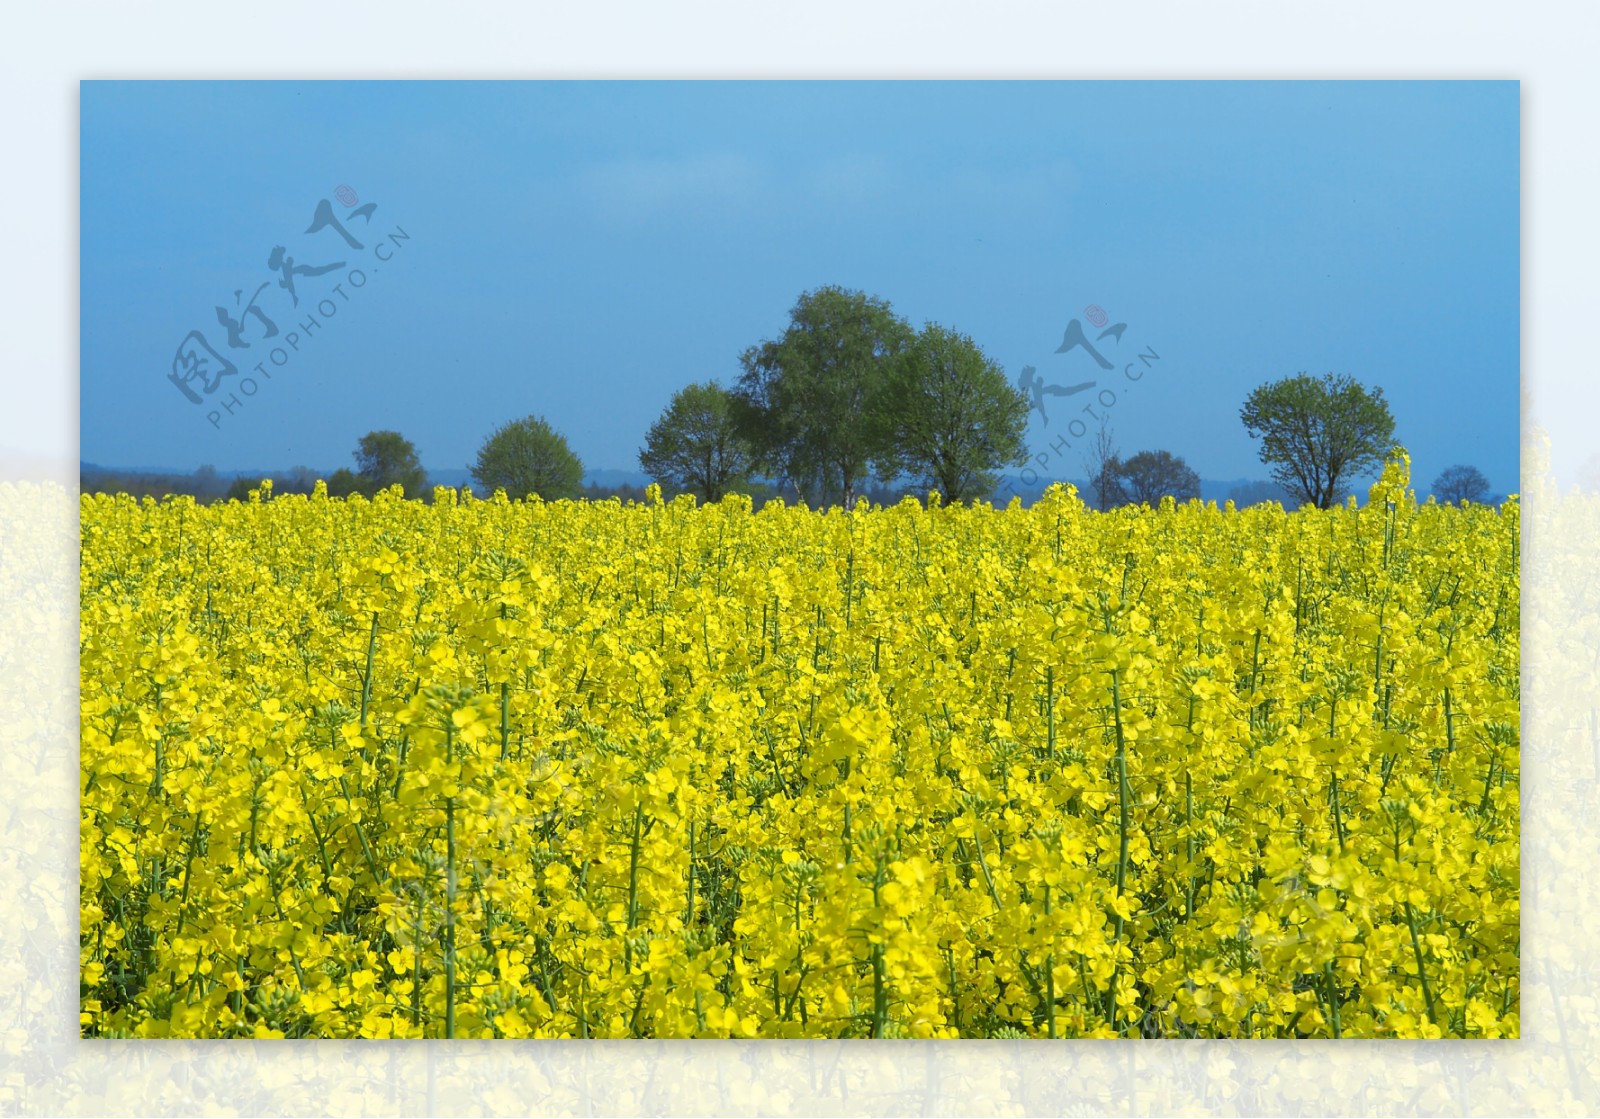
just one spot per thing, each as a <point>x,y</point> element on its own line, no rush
<point>522,769</point>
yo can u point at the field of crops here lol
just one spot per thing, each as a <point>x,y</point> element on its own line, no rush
<point>488,769</point>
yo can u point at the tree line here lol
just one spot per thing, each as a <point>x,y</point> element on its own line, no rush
<point>851,400</point>
<point>849,391</point>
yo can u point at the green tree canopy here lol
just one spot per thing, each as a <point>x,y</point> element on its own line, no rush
<point>1151,475</point>
<point>949,417</point>
<point>697,445</point>
<point>528,456</point>
<point>1318,432</point>
<point>807,401</point>
<point>345,482</point>
<point>386,458</point>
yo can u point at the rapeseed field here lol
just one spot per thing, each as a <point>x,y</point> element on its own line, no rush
<point>479,768</point>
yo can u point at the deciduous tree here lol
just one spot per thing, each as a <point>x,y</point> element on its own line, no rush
<point>949,417</point>
<point>1318,432</point>
<point>696,445</point>
<point>807,401</point>
<point>527,457</point>
<point>1461,483</point>
<point>386,458</point>
<point>1104,464</point>
<point>1151,475</point>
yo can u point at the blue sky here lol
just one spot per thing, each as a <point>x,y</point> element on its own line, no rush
<point>580,250</point>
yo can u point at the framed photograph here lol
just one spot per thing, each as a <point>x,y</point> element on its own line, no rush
<point>800,560</point>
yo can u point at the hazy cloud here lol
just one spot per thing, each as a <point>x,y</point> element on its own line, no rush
<point>639,189</point>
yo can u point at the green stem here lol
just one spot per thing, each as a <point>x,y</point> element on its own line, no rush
<point>955,997</point>
<point>1422,973</point>
<point>449,900</point>
<point>1449,723</point>
<point>688,912</point>
<point>633,886</point>
<point>1332,993</point>
<point>1122,821</point>
<point>366,677</point>
<point>880,991</point>
<point>183,897</point>
<point>1188,842</point>
<point>1049,978</point>
<point>161,753</point>
<point>1050,713</point>
<point>416,965</point>
<point>1333,790</point>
